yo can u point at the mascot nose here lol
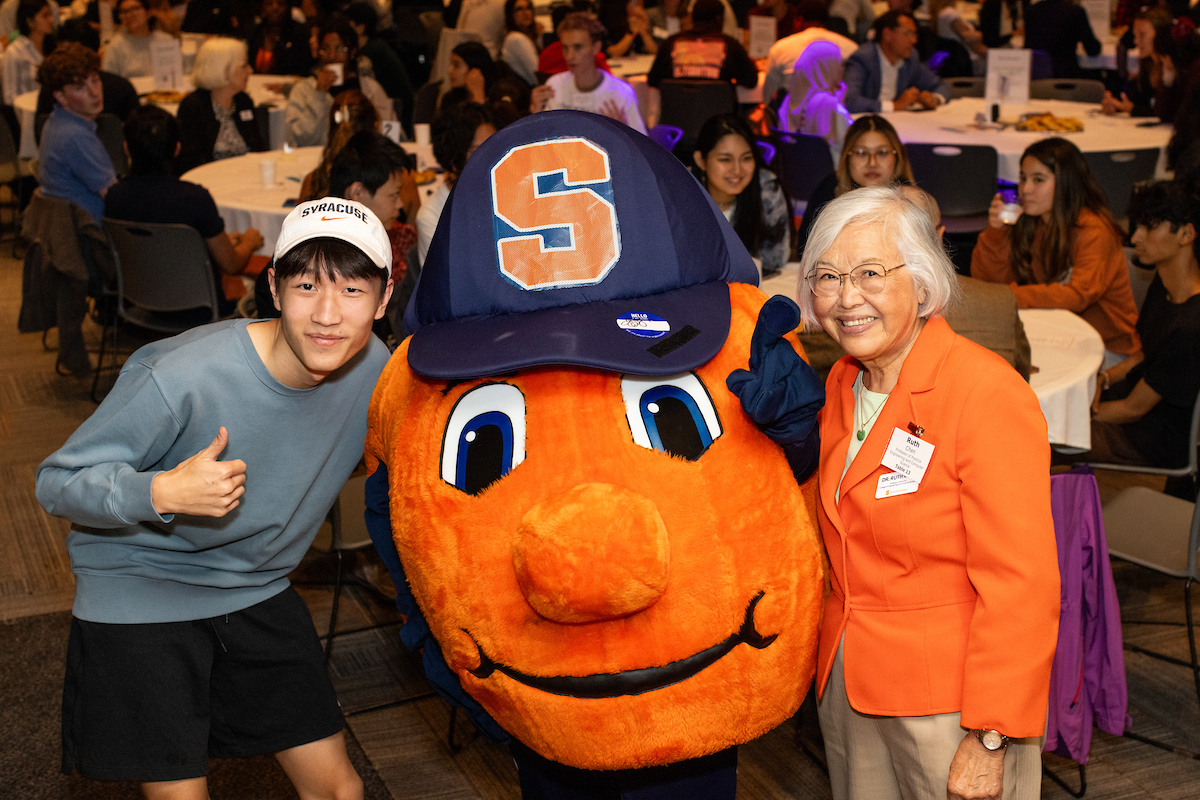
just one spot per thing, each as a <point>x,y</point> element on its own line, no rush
<point>594,552</point>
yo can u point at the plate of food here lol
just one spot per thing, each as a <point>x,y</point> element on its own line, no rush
<point>164,97</point>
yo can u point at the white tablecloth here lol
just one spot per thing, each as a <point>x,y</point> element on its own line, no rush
<point>236,186</point>
<point>951,124</point>
<point>25,106</point>
<point>1067,353</point>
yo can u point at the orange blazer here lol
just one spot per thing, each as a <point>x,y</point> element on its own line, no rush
<point>947,598</point>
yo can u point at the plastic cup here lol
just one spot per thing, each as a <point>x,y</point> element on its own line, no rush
<point>267,169</point>
<point>340,71</point>
<point>421,130</point>
<point>1011,211</point>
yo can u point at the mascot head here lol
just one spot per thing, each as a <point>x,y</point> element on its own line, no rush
<point>616,563</point>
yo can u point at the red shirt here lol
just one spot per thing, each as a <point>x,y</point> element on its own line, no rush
<point>551,61</point>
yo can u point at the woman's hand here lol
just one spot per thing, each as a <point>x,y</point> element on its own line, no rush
<point>976,773</point>
<point>994,220</point>
<point>1111,105</point>
<point>325,79</point>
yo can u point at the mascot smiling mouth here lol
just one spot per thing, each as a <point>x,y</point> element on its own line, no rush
<point>634,681</point>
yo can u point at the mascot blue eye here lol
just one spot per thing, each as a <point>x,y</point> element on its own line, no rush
<point>672,415</point>
<point>484,438</point>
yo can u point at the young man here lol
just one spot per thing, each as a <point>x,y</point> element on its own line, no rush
<point>886,74</point>
<point>584,87</point>
<point>1143,410</point>
<point>72,163</point>
<point>372,170</point>
<point>193,490</point>
<point>151,193</point>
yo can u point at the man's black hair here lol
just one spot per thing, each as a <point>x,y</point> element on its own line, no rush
<point>369,158</point>
<point>151,135</point>
<point>453,131</point>
<point>890,21</point>
<point>328,257</point>
<point>78,30</point>
<point>1156,202</point>
<point>363,13</point>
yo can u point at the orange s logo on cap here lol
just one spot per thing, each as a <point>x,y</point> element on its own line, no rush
<point>553,214</point>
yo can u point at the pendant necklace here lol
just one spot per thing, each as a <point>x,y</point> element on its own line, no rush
<point>862,429</point>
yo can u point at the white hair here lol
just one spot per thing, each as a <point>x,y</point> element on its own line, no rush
<point>216,61</point>
<point>907,225</point>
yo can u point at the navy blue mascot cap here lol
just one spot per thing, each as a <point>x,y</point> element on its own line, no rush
<point>570,239</point>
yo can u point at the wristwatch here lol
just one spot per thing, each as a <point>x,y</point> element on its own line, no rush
<point>992,740</point>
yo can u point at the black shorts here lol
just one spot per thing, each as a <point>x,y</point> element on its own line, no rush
<point>153,702</point>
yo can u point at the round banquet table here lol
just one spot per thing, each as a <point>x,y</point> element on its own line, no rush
<point>1066,351</point>
<point>952,124</point>
<point>236,187</point>
<point>25,107</point>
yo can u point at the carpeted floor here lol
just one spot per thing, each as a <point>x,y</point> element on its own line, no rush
<point>32,652</point>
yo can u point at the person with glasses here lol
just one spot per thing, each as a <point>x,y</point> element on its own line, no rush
<point>217,120</point>
<point>1064,251</point>
<point>926,441</point>
<point>306,118</point>
<point>520,48</point>
<point>128,53</point>
<point>886,75</point>
<point>872,155</point>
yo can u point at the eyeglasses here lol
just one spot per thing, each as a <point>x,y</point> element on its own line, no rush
<point>867,278</point>
<point>882,154</point>
<point>330,49</point>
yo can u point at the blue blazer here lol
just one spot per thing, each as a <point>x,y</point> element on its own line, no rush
<point>864,79</point>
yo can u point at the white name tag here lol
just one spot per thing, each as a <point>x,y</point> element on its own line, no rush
<point>246,115</point>
<point>895,483</point>
<point>908,455</point>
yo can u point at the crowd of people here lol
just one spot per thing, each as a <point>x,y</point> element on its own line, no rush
<point>874,279</point>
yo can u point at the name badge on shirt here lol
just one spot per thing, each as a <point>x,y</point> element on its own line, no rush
<point>246,115</point>
<point>895,483</point>
<point>908,455</point>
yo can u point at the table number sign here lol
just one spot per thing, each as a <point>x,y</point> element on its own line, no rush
<point>166,61</point>
<point>762,36</point>
<point>1007,76</point>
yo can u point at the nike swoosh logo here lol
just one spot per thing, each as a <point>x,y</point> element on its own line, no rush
<point>330,219</point>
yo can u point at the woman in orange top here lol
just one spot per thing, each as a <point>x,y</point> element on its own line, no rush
<point>1064,251</point>
<point>940,628</point>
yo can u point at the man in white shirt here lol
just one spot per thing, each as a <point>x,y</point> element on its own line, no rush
<point>584,87</point>
<point>783,54</point>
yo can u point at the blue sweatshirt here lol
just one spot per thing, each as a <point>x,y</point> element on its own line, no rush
<point>132,565</point>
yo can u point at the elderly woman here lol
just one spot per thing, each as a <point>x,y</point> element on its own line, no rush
<point>934,503</point>
<point>217,120</point>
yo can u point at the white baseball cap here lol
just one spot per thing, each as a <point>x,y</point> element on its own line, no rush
<point>338,219</point>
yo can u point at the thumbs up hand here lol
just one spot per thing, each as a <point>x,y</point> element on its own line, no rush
<point>202,485</point>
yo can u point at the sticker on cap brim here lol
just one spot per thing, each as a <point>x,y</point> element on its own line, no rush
<point>647,326</point>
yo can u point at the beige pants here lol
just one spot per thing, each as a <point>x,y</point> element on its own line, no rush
<point>906,758</point>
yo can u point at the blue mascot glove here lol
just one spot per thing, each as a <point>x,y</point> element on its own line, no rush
<point>780,392</point>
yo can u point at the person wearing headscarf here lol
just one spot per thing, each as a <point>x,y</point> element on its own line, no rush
<point>815,92</point>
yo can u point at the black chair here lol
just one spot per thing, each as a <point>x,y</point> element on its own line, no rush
<point>1078,91</point>
<point>425,103</point>
<point>111,132</point>
<point>966,87</point>
<point>165,281</point>
<point>950,59</point>
<point>688,104</point>
<point>1117,171</point>
<point>806,161</point>
<point>962,178</point>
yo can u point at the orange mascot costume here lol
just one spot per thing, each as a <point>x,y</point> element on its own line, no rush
<point>604,545</point>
